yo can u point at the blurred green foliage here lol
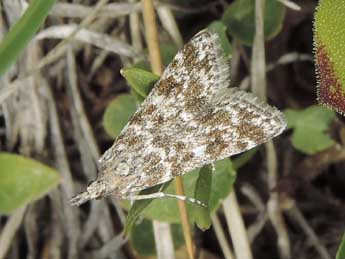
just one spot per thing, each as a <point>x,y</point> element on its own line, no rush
<point>310,127</point>
<point>239,18</point>
<point>22,32</point>
<point>23,180</point>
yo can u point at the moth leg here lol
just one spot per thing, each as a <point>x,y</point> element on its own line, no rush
<point>161,195</point>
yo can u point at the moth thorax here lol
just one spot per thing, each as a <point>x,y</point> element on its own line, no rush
<point>123,169</point>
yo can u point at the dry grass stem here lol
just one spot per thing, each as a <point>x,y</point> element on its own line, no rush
<point>223,242</point>
<point>163,240</point>
<point>258,84</point>
<point>111,10</point>
<point>290,4</point>
<point>236,227</point>
<point>9,230</point>
<point>168,21</point>
<point>99,40</point>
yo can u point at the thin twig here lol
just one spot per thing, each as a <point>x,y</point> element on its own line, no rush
<point>258,80</point>
<point>157,67</point>
<point>236,227</point>
<point>224,244</point>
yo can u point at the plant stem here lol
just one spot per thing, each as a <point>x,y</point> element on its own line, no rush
<point>152,37</point>
<point>236,227</point>
<point>187,233</point>
<point>258,78</point>
<point>218,229</point>
<point>157,68</point>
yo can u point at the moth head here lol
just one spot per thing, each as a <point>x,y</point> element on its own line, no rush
<point>95,190</point>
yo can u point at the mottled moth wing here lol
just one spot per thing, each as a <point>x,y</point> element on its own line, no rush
<point>190,118</point>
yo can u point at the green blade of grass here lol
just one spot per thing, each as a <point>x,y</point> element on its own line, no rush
<point>22,32</point>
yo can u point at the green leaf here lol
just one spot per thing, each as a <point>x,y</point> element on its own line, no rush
<point>166,209</point>
<point>168,52</point>
<point>137,96</point>
<point>22,32</point>
<point>142,237</point>
<point>140,80</point>
<point>239,18</point>
<point>220,28</point>
<point>341,249</point>
<point>222,183</point>
<point>23,180</point>
<point>310,126</point>
<point>117,114</point>
<point>202,193</point>
<point>329,38</point>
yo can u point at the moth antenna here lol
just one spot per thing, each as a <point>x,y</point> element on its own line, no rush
<point>80,199</point>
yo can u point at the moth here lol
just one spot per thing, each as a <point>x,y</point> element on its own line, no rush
<point>190,118</point>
